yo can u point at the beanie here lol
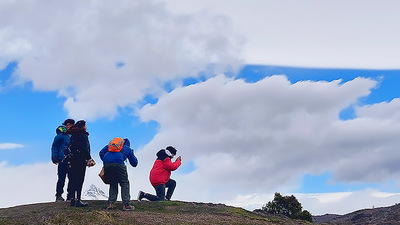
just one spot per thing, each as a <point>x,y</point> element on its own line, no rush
<point>171,149</point>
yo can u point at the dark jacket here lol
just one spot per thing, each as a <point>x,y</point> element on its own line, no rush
<point>60,143</point>
<point>79,145</point>
<point>161,171</point>
<point>119,157</point>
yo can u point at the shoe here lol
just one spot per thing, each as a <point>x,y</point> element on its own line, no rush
<point>128,208</point>
<point>140,196</point>
<point>72,202</point>
<point>109,206</point>
<point>79,203</point>
<point>59,199</point>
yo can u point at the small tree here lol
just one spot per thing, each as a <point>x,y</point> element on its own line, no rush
<point>288,206</point>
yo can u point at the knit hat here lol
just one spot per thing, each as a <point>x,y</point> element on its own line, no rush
<point>170,150</point>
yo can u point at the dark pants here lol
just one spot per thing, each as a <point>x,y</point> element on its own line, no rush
<point>62,172</point>
<point>160,191</point>
<point>78,170</point>
<point>116,173</point>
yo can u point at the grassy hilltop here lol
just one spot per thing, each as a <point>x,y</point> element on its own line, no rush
<point>168,212</point>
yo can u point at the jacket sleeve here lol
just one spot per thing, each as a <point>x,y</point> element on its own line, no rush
<point>171,166</point>
<point>55,147</point>
<point>128,152</point>
<point>86,147</point>
<point>103,152</point>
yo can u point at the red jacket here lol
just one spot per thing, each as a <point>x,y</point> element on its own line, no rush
<point>161,171</point>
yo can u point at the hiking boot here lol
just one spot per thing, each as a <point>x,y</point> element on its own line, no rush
<point>109,206</point>
<point>59,199</point>
<point>79,203</point>
<point>72,202</point>
<point>140,196</point>
<point>128,208</point>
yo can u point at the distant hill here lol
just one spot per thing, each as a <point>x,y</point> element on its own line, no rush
<point>167,212</point>
<point>382,215</point>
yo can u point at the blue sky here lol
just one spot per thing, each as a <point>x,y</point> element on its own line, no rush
<point>277,110</point>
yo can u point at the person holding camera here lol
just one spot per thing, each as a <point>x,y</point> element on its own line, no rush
<point>160,175</point>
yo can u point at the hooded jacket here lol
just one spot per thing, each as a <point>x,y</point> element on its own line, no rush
<point>119,157</point>
<point>60,143</point>
<point>80,146</point>
<point>161,171</point>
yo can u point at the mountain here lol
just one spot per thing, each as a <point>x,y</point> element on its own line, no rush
<point>94,193</point>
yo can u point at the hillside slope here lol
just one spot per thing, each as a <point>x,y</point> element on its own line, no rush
<point>382,215</point>
<point>169,212</point>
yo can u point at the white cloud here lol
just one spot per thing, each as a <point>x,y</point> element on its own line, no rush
<point>313,33</point>
<point>246,138</point>
<point>10,145</point>
<point>77,48</point>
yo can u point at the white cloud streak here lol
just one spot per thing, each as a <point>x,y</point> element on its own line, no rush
<point>7,146</point>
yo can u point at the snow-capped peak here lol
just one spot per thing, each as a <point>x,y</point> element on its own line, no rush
<point>94,193</point>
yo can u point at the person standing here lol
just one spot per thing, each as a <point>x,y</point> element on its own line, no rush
<point>60,144</point>
<point>160,175</point>
<point>113,156</point>
<point>79,158</point>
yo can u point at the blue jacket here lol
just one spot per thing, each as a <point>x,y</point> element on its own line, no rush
<point>119,157</point>
<point>60,143</point>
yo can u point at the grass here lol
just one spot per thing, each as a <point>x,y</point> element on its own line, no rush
<point>167,212</point>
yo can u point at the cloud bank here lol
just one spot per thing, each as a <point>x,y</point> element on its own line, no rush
<point>312,33</point>
<point>262,137</point>
<point>102,53</point>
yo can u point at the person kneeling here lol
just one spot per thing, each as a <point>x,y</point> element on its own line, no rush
<point>160,175</point>
<point>113,156</point>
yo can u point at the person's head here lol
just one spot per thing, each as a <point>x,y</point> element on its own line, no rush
<point>80,125</point>
<point>170,151</point>
<point>68,123</point>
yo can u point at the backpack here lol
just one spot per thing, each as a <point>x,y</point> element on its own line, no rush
<point>116,144</point>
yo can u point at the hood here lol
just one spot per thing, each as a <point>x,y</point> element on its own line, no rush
<point>161,155</point>
<point>61,129</point>
<point>127,142</point>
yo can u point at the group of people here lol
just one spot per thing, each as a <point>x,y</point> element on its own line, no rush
<point>71,153</point>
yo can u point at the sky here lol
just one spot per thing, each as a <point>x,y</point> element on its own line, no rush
<point>258,97</point>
